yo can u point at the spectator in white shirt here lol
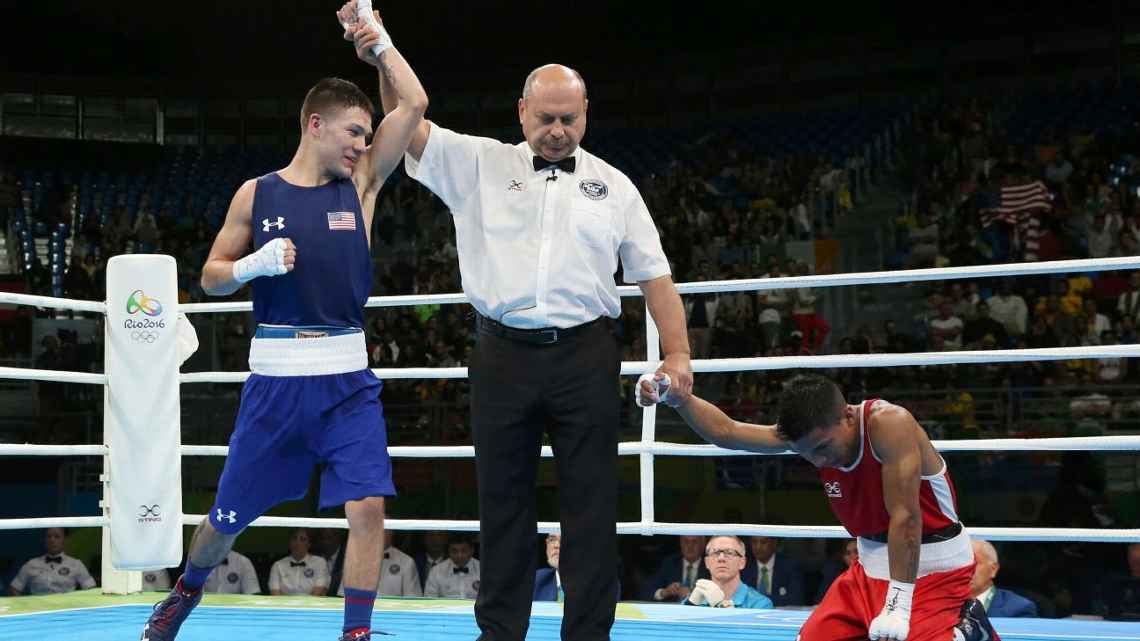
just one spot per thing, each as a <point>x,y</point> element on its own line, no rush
<point>300,572</point>
<point>54,572</point>
<point>458,577</point>
<point>1104,235</point>
<point>947,327</point>
<point>1009,309</point>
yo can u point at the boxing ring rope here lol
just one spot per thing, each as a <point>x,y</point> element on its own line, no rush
<point>648,447</point>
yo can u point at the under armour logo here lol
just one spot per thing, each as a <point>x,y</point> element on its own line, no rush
<point>266,225</point>
<point>229,517</point>
<point>833,490</point>
<point>516,185</point>
<point>148,510</point>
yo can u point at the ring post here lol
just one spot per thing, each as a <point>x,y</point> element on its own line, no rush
<point>648,430</point>
<point>143,468</point>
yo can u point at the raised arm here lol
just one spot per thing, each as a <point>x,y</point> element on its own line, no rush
<point>401,95</point>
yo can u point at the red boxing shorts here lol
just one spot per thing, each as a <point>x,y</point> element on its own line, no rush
<point>855,599</point>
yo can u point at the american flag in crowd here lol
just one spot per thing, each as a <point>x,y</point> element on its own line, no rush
<point>342,220</point>
<point>1019,206</point>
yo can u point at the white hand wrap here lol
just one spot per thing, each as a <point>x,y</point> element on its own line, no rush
<point>661,389</point>
<point>267,261</point>
<point>364,14</point>
<point>894,621</point>
<point>708,592</point>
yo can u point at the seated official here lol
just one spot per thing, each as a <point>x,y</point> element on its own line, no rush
<point>156,581</point>
<point>725,558</point>
<point>833,568</point>
<point>234,575</point>
<point>774,574</point>
<point>458,576</point>
<point>548,580</point>
<point>300,572</point>
<point>398,574</point>
<point>678,573</point>
<point>996,601</point>
<point>434,553</point>
<point>54,572</point>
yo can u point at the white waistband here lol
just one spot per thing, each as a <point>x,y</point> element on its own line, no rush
<point>308,356</point>
<point>934,557</point>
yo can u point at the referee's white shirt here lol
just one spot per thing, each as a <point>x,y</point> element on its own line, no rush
<point>235,575</point>
<point>290,577</point>
<point>536,252</point>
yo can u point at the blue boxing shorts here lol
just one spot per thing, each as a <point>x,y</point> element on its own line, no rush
<point>309,400</point>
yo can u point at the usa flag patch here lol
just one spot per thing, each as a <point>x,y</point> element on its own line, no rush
<point>342,220</point>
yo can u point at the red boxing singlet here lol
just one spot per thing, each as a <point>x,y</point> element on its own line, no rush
<point>856,492</point>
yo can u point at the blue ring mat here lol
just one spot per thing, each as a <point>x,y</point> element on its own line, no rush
<point>90,616</point>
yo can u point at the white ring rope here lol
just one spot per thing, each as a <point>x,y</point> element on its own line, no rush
<point>10,298</point>
<point>58,376</point>
<point>54,521</point>
<point>1123,443</point>
<point>780,531</point>
<point>647,448</point>
<point>784,282</point>
<point>830,361</point>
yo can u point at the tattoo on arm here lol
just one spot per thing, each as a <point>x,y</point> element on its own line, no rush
<point>386,69</point>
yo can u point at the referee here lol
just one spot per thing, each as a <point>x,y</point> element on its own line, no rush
<point>540,228</point>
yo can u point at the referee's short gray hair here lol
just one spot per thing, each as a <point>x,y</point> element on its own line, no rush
<point>528,86</point>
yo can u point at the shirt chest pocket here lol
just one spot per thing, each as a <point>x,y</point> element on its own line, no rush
<point>592,227</point>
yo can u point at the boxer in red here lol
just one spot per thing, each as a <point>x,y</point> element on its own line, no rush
<point>889,487</point>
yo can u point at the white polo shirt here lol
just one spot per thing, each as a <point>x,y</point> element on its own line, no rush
<point>539,248</point>
<point>235,575</point>
<point>299,577</point>
<point>398,575</point>
<point>43,576</point>
<point>444,581</point>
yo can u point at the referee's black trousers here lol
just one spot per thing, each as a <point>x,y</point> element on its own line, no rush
<point>518,390</point>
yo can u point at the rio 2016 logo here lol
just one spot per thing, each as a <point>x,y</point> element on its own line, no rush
<point>140,302</point>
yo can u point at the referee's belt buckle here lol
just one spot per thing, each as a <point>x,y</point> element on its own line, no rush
<point>549,336</point>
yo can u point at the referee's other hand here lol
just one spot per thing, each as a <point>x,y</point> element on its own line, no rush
<point>680,373</point>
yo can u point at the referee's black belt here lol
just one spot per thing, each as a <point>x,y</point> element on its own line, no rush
<point>543,336</point>
<point>944,534</point>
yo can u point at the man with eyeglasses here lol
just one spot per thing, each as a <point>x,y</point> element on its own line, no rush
<point>724,557</point>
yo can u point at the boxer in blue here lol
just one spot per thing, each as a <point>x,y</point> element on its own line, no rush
<point>310,397</point>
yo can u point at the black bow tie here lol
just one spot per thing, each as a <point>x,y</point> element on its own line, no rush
<point>386,555</point>
<point>463,570</point>
<point>566,164</point>
<point>225,561</point>
<point>294,564</point>
<point>53,559</point>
